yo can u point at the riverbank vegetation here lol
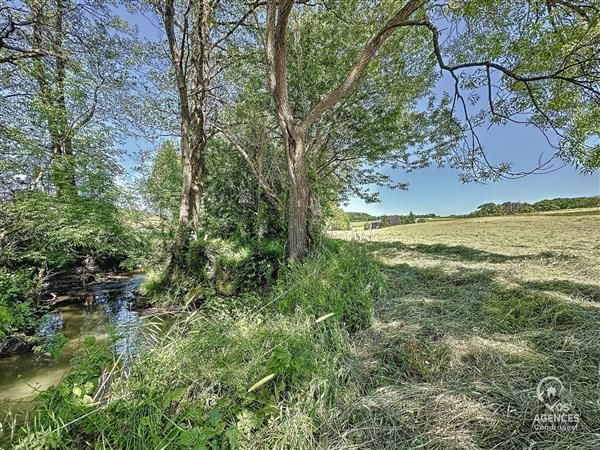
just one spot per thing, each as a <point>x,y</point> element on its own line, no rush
<point>214,153</point>
<point>51,245</point>
<point>198,385</point>
<point>446,330</point>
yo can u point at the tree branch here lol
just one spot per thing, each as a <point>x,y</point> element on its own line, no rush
<point>366,56</point>
<point>273,198</point>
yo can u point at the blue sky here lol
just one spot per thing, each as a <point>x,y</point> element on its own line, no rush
<point>438,190</point>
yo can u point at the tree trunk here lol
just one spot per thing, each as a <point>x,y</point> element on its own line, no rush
<point>298,198</point>
<point>192,77</point>
<point>276,23</point>
<point>192,158</point>
<point>52,93</point>
<point>64,170</point>
<point>315,218</point>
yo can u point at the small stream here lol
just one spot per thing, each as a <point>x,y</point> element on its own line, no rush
<point>106,307</point>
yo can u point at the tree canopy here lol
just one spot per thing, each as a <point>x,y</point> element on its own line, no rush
<point>307,103</point>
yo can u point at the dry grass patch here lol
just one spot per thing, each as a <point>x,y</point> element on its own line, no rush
<point>478,312</point>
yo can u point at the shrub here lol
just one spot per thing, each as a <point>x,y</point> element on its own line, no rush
<point>229,267</point>
<point>155,281</point>
<point>17,312</point>
<point>58,232</point>
<point>337,219</point>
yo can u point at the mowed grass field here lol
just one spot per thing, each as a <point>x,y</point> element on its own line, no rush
<point>478,312</point>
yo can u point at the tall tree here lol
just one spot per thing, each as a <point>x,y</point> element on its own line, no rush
<point>52,91</point>
<point>536,61</point>
<point>59,102</point>
<point>294,131</point>
<point>197,31</point>
<point>190,59</point>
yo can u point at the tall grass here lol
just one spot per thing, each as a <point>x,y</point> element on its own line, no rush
<point>254,372</point>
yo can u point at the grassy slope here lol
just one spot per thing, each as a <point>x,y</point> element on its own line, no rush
<point>478,312</point>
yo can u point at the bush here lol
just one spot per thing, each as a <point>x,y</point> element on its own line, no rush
<point>219,266</point>
<point>337,219</point>
<point>17,309</point>
<point>57,233</point>
<point>155,281</point>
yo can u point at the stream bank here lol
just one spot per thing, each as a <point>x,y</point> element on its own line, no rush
<point>106,307</point>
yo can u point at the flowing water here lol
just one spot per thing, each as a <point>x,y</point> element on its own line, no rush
<point>107,307</point>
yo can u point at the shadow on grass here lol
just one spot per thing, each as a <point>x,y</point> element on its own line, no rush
<point>461,252</point>
<point>476,297</point>
<point>468,300</point>
<point>452,351</point>
<point>589,292</point>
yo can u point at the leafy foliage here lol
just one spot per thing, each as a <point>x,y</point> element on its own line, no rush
<point>16,312</point>
<point>55,233</point>
<point>360,217</point>
<point>163,185</point>
<point>58,119</point>
<point>44,235</point>
<point>337,219</point>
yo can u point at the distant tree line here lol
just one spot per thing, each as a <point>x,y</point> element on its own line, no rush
<point>387,221</point>
<point>555,204</point>
<point>361,217</point>
<point>365,217</point>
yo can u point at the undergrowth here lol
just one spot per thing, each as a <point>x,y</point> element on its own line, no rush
<point>257,371</point>
<point>215,267</point>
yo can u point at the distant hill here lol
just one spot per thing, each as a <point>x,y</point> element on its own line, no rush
<point>555,204</point>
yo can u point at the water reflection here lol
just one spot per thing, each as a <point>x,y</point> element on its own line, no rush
<point>107,308</point>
